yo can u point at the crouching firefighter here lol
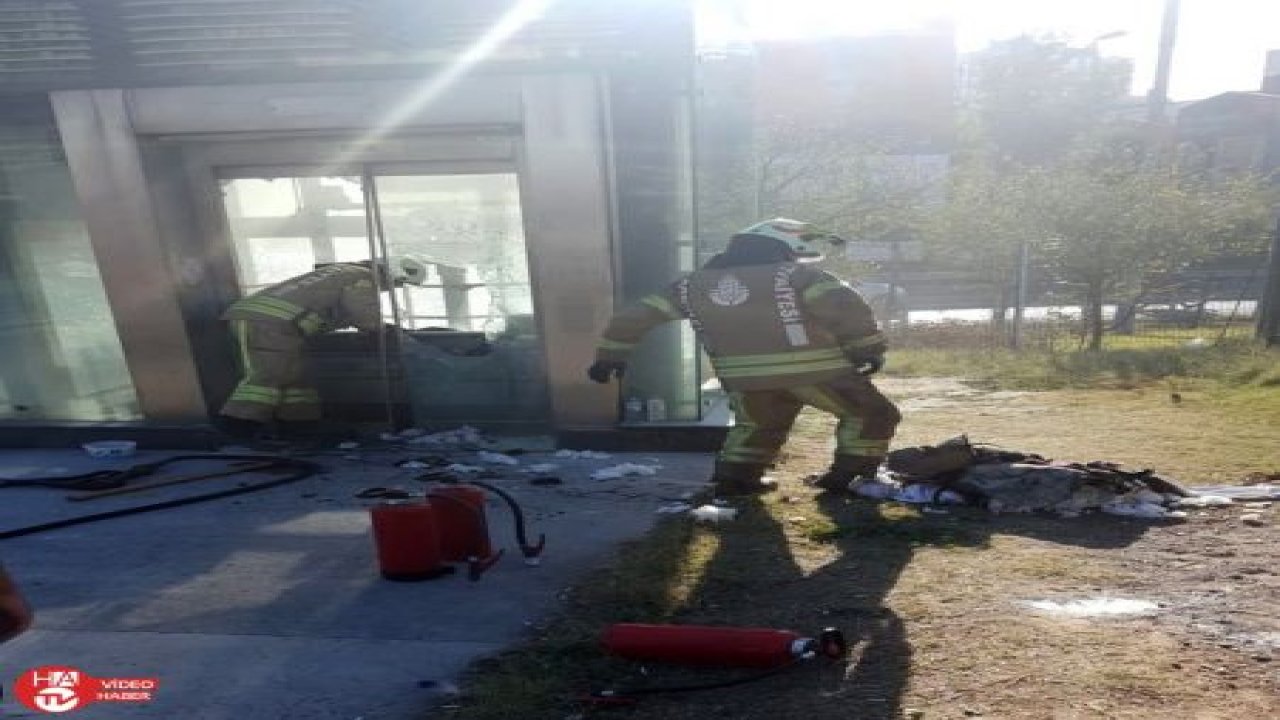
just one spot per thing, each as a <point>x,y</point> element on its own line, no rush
<point>272,325</point>
<point>781,335</point>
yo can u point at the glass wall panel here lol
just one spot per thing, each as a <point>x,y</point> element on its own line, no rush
<point>477,296</point>
<point>282,227</point>
<point>655,219</point>
<point>478,357</point>
<point>60,356</point>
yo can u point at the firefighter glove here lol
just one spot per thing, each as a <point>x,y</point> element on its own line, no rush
<point>604,370</point>
<point>869,365</point>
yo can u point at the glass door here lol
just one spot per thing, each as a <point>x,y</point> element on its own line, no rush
<point>475,354</point>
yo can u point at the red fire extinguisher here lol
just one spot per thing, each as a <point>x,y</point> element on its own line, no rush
<point>767,650</point>
<point>464,528</point>
<point>417,539</point>
<point>719,646</point>
<point>407,537</point>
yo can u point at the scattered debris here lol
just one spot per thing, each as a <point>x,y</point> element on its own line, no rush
<point>1010,481</point>
<point>582,455</point>
<point>1261,478</point>
<point>463,437</point>
<point>885,487</point>
<point>626,470</point>
<point>494,458</point>
<point>462,469</point>
<point>713,514</point>
<point>1203,501</point>
<point>382,493</point>
<point>1243,493</point>
<point>1094,607</point>
<point>674,509</point>
<point>110,448</point>
<point>542,468</point>
<point>1141,509</point>
<point>438,475</point>
<point>1253,519</point>
<point>424,461</point>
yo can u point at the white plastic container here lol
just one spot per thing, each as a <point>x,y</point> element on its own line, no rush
<point>633,410</point>
<point>657,410</point>
<point>110,448</point>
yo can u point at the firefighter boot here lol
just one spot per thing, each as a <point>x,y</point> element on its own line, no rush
<point>732,479</point>
<point>844,470</point>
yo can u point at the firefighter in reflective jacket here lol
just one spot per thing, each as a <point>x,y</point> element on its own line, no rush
<point>272,325</point>
<point>781,335</point>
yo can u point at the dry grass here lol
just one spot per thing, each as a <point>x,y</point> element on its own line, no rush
<point>932,602</point>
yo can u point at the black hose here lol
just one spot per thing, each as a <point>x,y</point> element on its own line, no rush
<point>476,565</point>
<point>96,480</point>
<point>530,551</point>
<point>300,469</point>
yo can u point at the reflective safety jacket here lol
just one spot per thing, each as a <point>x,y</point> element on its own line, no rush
<point>335,296</point>
<point>764,326</point>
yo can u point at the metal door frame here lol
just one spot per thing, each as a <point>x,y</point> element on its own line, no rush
<point>561,161</point>
<point>210,161</point>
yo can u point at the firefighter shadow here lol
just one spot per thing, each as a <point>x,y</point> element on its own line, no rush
<point>800,578</point>
<point>837,568</point>
<point>874,543</point>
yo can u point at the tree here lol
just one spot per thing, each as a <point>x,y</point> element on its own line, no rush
<point>1109,220</point>
<point>1031,98</point>
<point>1026,101</point>
<point>982,225</point>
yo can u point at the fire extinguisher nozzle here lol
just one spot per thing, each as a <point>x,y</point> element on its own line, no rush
<point>832,643</point>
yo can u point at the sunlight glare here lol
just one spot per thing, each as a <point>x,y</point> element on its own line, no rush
<point>520,15</point>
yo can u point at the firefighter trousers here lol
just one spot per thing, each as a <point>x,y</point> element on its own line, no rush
<point>274,384</point>
<point>866,423</point>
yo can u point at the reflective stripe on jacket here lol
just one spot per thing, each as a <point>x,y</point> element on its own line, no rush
<point>764,326</point>
<point>335,296</point>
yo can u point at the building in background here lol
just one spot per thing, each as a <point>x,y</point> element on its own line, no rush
<point>1240,132</point>
<point>159,158</point>
<point>895,92</point>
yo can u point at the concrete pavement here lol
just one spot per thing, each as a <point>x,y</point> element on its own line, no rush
<point>268,606</point>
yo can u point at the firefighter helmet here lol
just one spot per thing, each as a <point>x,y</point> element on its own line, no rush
<point>408,270</point>
<point>802,238</point>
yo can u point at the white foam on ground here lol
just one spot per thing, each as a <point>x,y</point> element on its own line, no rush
<point>1093,607</point>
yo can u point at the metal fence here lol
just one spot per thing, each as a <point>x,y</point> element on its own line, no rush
<point>942,309</point>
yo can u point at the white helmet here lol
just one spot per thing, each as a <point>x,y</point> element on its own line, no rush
<point>803,238</point>
<point>408,270</point>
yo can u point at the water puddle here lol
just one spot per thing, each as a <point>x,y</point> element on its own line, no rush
<point>1093,607</point>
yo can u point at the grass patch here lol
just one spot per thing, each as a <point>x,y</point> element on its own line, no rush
<point>1060,567</point>
<point>917,532</point>
<point>929,600</point>
<point>1236,364</point>
<point>650,582</point>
